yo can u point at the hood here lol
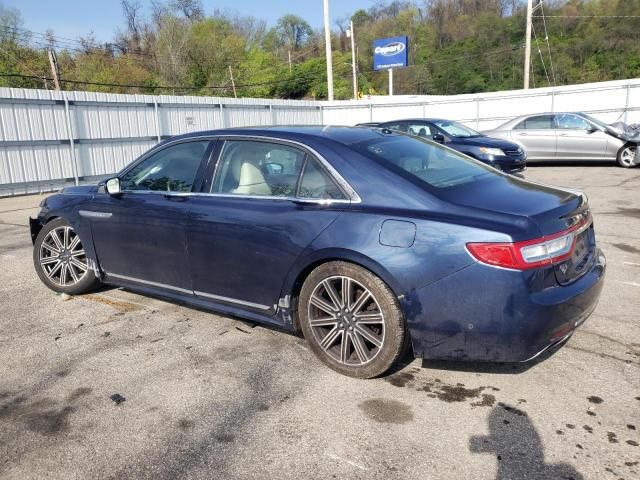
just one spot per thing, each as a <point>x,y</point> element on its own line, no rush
<point>551,209</point>
<point>484,141</point>
<point>624,131</point>
<point>79,189</point>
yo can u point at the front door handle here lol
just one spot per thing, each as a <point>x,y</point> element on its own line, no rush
<point>176,197</point>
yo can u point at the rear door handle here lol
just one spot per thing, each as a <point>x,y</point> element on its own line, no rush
<point>523,134</point>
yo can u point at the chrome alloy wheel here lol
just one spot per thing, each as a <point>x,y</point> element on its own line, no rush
<point>62,257</point>
<point>346,320</point>
<point>628,156</point>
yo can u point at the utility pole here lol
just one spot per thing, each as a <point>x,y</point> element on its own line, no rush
<point>352,34</point>
<point>233,83</point>
<point>289,60</point>
<point>527,51</point>
<point>55,72</point>
<point>327,41</point>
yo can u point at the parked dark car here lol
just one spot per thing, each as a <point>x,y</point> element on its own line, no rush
<point>502,154</point>
<point>366,240</point>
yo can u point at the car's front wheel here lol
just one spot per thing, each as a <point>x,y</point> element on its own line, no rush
<point>61,261</point>
<point>627,156</point>
<point>351,320</point>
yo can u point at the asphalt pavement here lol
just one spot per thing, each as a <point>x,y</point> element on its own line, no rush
<point>119,385</point>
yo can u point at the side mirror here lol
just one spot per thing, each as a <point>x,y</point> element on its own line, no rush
<point>112,186</point>
<point>592,130</point>
<point>438,137</point>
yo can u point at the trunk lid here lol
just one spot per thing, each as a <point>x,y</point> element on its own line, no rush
<point>552,210</point>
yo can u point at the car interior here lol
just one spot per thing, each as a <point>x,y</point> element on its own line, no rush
<point>255,168</point>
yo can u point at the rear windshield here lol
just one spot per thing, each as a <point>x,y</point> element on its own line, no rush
<point>429,162</point>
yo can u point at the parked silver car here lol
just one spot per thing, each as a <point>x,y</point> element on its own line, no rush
<point>570,136</point>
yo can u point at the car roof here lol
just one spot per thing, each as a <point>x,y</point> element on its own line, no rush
<point>430,119</point>
<point>340,134</point>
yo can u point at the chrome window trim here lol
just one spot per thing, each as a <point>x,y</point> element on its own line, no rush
<point>190,292</point>
<point>333,173</point>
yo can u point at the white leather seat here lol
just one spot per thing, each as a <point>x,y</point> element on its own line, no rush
<point>251,181</point>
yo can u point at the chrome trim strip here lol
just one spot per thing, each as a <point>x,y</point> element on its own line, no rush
<point>232,300</point>
<point>191,292</point>
<point>349,190</point>
<point>239,196</point>
<point>147,282</point>
<point>90,214</point>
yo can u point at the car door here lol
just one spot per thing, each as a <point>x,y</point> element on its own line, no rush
<point>140,234</point>
<point>537,135</point>
<point>578,139</point>
<point>267,202</point>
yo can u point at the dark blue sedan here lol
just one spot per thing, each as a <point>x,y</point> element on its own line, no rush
<point>502,154</point>
<point>366,240</point>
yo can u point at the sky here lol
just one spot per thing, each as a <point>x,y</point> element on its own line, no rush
<point>75,18</point>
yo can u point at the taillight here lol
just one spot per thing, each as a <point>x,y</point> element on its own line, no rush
<point>528,254</point>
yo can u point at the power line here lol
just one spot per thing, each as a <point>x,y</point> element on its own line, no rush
<point>546,37</point>
<point>308,75</point>
<point>588,16</point>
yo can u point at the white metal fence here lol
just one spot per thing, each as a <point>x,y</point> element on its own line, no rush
<point>608,101</point>
<point>49,138</point>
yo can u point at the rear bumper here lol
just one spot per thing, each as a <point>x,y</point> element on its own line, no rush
<point>488,314</point>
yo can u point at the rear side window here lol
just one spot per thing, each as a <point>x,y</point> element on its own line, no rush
<point>430,163</point>
<point>541,122</point>
<point>172,169</point>
<point>316,183</point>
<point>258,168</point>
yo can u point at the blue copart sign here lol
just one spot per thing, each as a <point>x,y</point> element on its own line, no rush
<point>390,53</point>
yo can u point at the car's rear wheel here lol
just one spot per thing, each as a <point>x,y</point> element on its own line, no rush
<point>351,320</point>
<point>627,156</point>
<point>61,261</point>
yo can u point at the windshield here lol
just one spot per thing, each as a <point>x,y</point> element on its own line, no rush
<point>430,163</point>
<point>456,129</point>
<point>595,120</point>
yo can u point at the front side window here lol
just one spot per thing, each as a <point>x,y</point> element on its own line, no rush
<point>258,168</point>
<point>540,122</point>
<point>420,130</point>
<point>400,127</point>
<point>572,122</point>
<point>172,169</point>
<point>434,165</point>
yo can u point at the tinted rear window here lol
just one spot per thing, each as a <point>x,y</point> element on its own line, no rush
<point>429,162</point>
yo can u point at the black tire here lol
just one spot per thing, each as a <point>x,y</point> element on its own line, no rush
<point>391,332</point>
<point>623,158</point>
<point>86,280</point>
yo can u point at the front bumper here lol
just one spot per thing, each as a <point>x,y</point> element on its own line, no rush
<point>483,313</point>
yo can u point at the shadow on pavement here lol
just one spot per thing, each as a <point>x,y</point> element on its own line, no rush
<point>518,448</point>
